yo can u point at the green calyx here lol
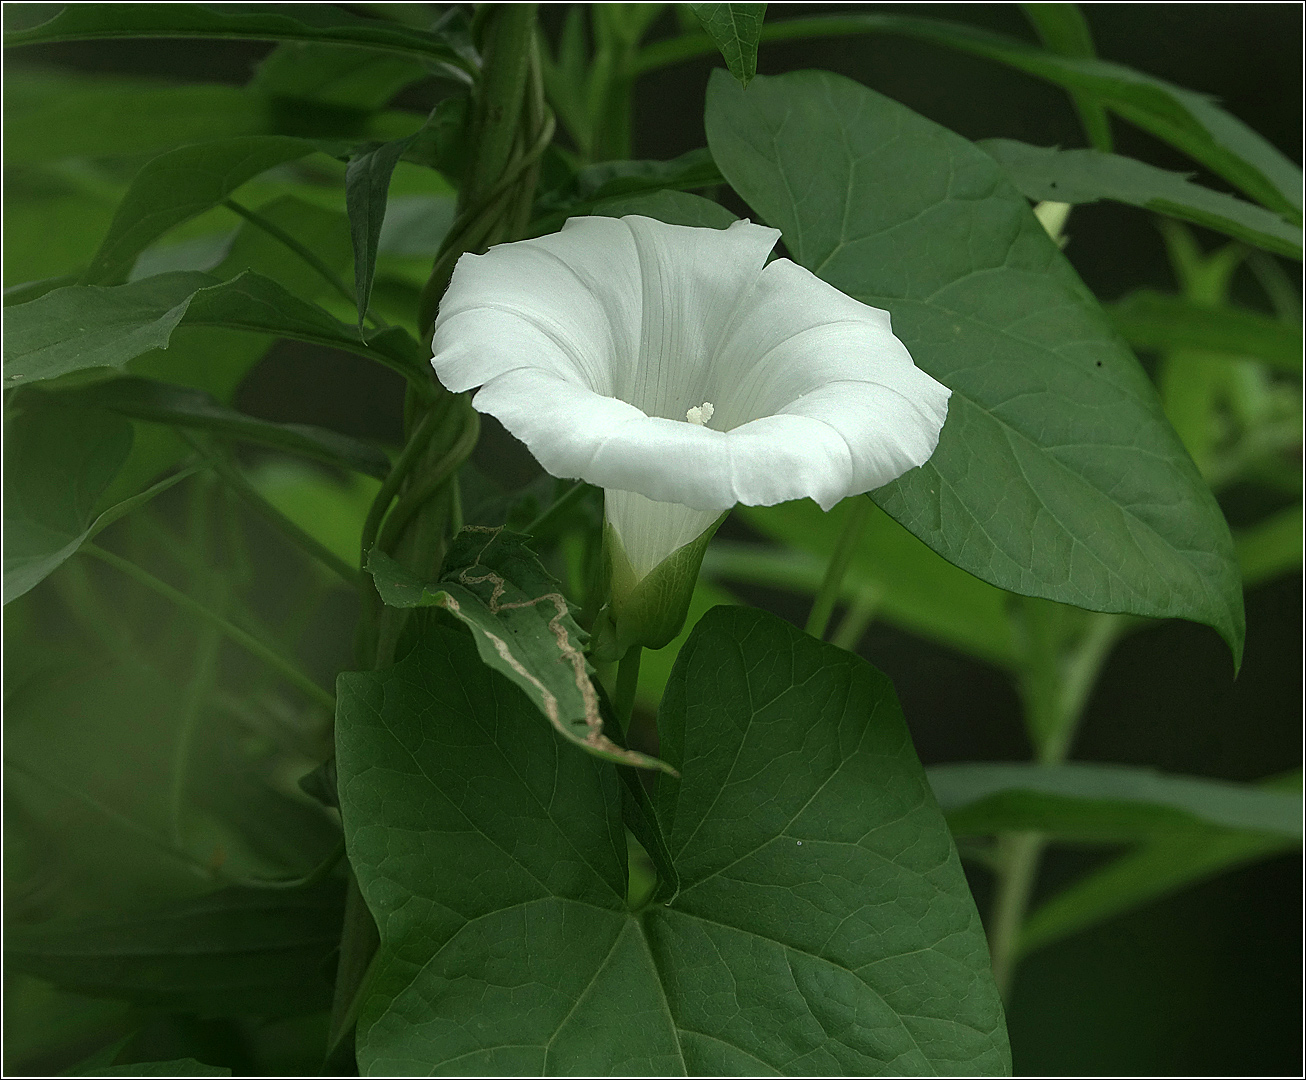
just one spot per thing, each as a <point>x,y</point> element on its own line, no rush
<point>648,611</point>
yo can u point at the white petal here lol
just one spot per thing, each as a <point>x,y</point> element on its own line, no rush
<point>574,432</point>
<point>593,345</point>
<point>694,282</point>
<point>569,302</point>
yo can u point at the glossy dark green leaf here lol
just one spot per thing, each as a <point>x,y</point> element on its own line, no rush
<point>1080,176</point>
<point>179,185</point>
<point>177,1067</point>
<point>1154,869</point>
<point>89,326</point>
<point>367,188</point>
<point>1152,320</point>
<point>801,800</point>
<point>1183,118</point>
<point>1057,474</point>
<point>1104,802</point>
<point>235,952</point>
<point>522,626</point>
<point>248,22</point>
<point>736,30</point>
<point>58,462</point>
<point>1062,28</point>
<point>163,403</point>
<point>823,924</point>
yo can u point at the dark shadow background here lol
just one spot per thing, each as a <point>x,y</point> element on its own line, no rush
<point>1207,981</point>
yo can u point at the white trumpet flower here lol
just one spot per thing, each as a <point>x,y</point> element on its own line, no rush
<point>680,372</point>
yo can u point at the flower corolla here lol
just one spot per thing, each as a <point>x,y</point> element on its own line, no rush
<point>681,372</point>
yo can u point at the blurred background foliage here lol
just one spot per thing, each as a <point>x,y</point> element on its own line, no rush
<point>146,760</point>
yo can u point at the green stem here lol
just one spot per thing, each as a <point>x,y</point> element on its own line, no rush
<point>475,225</point>
<point>456,503</point>
<point>627,683</point>
<point>390,486</point>
<point>509,33</point>
<point>557,509</point>
<point>432,480</point>
<point>1055,685</point>
<point>278,233</point>
<point>247,642</point>
<point>844,548</point>
<point>861,611</point>
<point>232,477</point>
<point>1018,855</point>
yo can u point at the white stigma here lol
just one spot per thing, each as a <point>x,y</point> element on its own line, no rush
<point>700,414</point>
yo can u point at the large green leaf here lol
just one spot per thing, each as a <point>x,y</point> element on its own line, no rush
<point>57,465</point>
<point>1110,802</point>
<point>249,22</point>
<point>179,185</point>
<point>1181,117</point>
<point>235,952</point>
<point>1152,320</point>
<point>1080,176</point>
<point>1056,474</point>
<point>522,626</point>
<point>736,30</point>
<point>823,923</point>
<point>89,326</point>
<point>1154,869</point>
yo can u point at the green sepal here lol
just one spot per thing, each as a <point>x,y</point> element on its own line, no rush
<point>648,611</point>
